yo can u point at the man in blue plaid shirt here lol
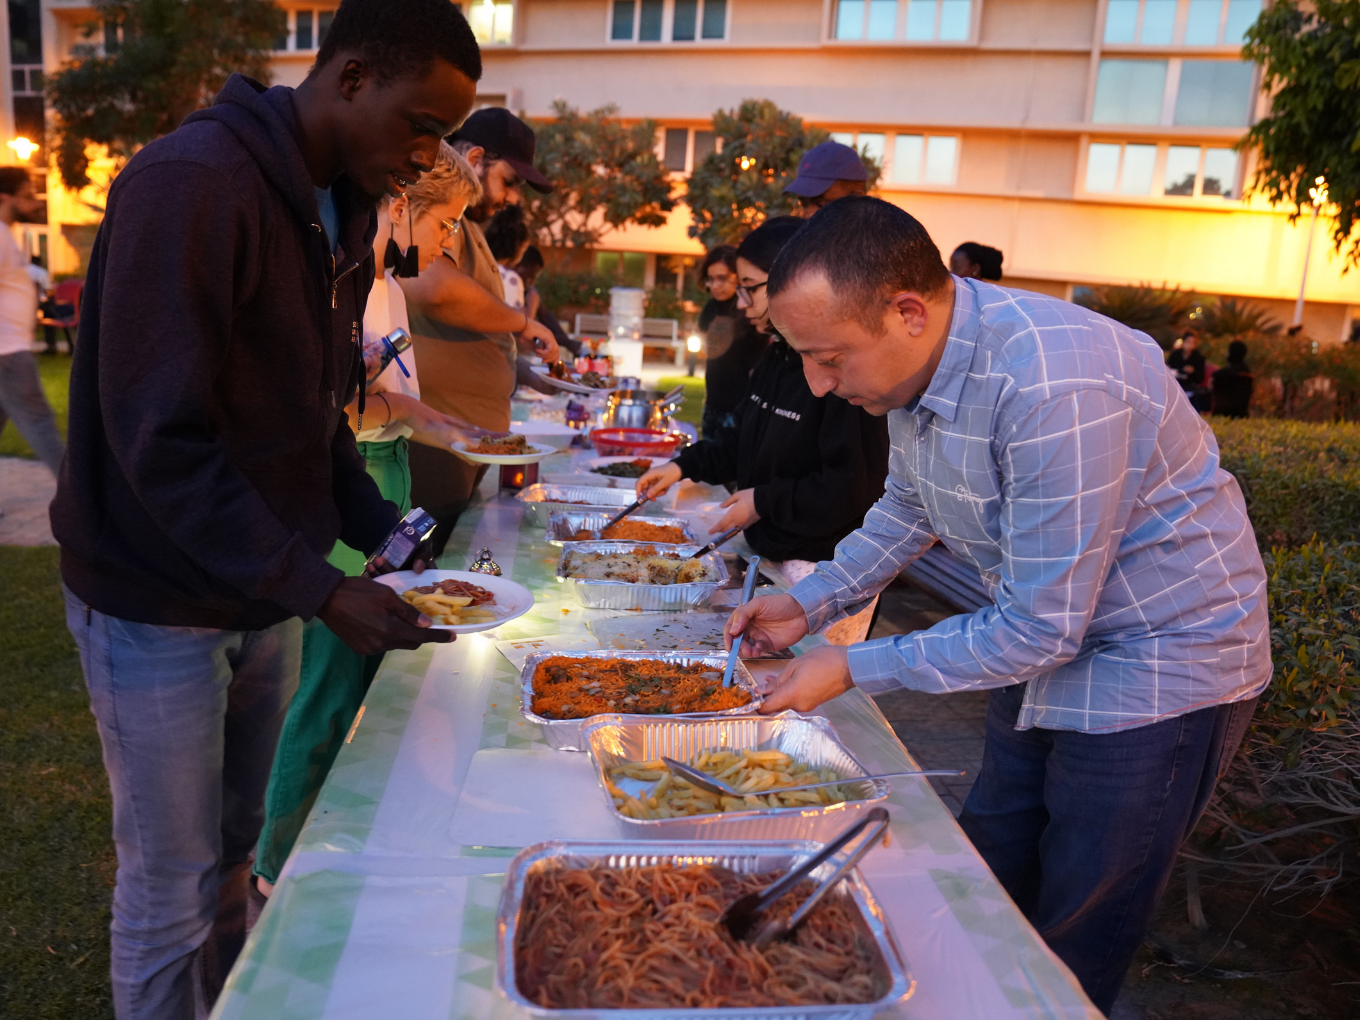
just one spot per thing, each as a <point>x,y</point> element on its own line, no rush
<point>1128,638</point>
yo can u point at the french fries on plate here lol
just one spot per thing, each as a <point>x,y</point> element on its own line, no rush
<point>450,610</point>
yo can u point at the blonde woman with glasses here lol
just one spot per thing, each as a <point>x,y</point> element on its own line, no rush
<point>412,229</point>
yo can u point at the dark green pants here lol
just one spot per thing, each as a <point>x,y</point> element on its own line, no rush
<point>334,682</point>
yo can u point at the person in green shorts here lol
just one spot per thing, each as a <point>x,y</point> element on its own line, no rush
<point>335,678</point>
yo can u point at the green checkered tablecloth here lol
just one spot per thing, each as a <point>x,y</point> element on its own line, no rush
<point>387,906</point>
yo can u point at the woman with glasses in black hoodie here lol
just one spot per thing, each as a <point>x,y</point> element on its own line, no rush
<point>806,468</point>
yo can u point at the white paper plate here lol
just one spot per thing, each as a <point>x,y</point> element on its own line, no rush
<point>512,600</point>
<point>541,452</point>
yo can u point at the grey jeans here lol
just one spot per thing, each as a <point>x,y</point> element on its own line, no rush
<point>22,402</point>
<point>189,718</point>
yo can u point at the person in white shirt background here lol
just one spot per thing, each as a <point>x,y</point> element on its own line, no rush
<point>21,394</point>
<point>334,678</point>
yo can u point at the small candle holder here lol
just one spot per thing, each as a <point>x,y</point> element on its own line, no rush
<point>516,476</point>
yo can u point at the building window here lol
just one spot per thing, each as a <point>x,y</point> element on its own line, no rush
<point>304,29</point>
<point>677,153</point>
<point>1192,171</point>
<point>667,20</point>
<point>1192,93</point>
<point>1179,22</point>
<point>27,80</point>
<point>492,23</point>
<point>918,159</point>
<point>1186,171</point>
<point>912,20</point>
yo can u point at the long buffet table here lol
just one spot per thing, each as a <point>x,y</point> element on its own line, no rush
<point>387,906</point>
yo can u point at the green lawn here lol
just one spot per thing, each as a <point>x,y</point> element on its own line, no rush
<point>693,409</point>
<point>55,370</point>
<point>56,854</point>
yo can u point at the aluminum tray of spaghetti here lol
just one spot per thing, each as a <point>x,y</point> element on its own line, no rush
<point>620,743</point>
<point>564,527</point>
<point>604,593</point>
<point>563,730</point>
<point>845,950</point>
<point>542,499</point>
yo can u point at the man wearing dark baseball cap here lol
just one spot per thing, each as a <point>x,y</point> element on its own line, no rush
<point>500,148</point>
<point>826,172</point>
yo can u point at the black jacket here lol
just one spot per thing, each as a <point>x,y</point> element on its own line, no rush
<point>817,464</point>
<point>734,348</point>
<point>209,467</point>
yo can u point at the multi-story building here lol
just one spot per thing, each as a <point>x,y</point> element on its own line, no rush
<point>1090,140</point>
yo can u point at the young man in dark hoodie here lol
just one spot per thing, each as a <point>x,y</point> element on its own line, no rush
<point>211,467</point>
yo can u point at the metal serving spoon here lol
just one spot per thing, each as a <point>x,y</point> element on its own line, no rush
<point>743,916</point>
<point>752,572</point>
<point>718,788</point>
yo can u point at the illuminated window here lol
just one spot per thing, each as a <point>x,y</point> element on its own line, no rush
<point>667,20</point>
<point>492,23</point>
<point>919,20</point>
<point>1179,22</point>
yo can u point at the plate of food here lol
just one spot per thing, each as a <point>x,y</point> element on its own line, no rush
<point>621,467</point>
<point>584,382</point>
<point>459,600</point>
<point>511,449</point>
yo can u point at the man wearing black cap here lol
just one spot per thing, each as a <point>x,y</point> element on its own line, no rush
<point>466,337</point>
<point>827,172</point>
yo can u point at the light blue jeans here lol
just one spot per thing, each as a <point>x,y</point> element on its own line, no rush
<point>189,718</point>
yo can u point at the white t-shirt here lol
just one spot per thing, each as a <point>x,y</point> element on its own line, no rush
<point>40,279</point>
<point>18,298</point>
<point>386,311</point>
<point>513,287</point>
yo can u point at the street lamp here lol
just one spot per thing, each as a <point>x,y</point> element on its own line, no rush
<point>22,147</point>
<point>1317,194</point>
<point>694,344</point>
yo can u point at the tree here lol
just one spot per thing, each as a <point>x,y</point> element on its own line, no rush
<point>740,186</point>
<point>606,175</point>
<point>162,60</point>
<point>1160,313</point>
<point>1310,62</point>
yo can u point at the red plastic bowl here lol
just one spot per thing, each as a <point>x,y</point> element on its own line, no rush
<point>636,442</point>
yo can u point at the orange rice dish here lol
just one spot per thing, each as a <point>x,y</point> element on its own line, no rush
<point>573,688</point>
<point>636,531</point>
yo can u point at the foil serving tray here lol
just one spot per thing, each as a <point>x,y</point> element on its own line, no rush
<point>541,499</point>
<point>568,735</point>
<point>615,740</point>
<point>743,858</point>
<point>651,597</point>
<point>562,525</point>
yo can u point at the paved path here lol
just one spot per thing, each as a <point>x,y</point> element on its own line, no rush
<point>26,488</point>
<point>942,731</point>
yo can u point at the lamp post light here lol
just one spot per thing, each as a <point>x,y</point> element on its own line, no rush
<point>1317,194</point>
<point>694,344</point>
<point>22,147</point>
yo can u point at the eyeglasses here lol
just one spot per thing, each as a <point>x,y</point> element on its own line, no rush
<point>744,293</point>
<point>451,227</point>
<point>718,281</point>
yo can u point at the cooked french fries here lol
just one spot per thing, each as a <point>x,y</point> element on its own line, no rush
<point>757,775</point>
<point>449,610</point>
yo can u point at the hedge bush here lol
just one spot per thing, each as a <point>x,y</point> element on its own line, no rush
<point>1301,480</point>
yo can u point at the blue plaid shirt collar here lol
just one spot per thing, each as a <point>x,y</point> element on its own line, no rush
<point>942,396</point>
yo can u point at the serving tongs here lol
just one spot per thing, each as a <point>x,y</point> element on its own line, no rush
<point>742,918</point>
<point>751,573</point>
<point>625,512</point>
<point>720,540</point>
<point>715,786</point>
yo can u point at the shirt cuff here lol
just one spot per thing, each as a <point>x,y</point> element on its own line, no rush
<point>817,595</point>
<point>875,666</point>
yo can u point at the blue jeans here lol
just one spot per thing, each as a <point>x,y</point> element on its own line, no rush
<point>188,718</point>
<point>1082,829</point>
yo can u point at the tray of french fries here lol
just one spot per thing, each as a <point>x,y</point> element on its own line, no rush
<point>460,600</point>
<point>759,756</point>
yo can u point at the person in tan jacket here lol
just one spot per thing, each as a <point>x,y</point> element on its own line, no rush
<point>466,337</point>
